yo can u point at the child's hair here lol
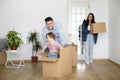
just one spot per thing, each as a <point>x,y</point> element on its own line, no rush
<point>51,35</point>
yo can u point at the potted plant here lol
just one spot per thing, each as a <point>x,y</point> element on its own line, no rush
<point>36,45</point>
<point>13,39</point>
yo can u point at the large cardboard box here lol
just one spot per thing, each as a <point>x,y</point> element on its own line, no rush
<point>3,57</point>
<point>57,67</point>
<point>98,27</point>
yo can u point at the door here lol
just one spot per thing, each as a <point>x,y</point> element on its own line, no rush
<point>77,12</point>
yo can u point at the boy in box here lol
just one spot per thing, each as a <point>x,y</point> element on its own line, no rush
<point>52,45</point>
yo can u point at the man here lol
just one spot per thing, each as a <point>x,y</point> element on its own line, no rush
<point>51,26</point>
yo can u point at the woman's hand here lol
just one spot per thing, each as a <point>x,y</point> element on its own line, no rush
<point>91,32</point>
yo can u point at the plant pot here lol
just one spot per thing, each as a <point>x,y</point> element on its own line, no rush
<point>13,48</point>
<point>34,59</point>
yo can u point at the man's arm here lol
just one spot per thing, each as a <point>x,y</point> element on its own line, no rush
<point>61,36</point>
<point>44,37</point>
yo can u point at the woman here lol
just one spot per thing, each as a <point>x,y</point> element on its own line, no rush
<point>88,38</point>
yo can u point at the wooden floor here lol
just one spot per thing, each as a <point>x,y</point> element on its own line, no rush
<point>99,70</point>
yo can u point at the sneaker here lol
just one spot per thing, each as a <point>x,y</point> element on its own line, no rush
<point>91,61</point>
<point>87,62</point>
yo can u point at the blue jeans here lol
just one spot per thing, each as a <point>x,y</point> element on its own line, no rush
<point>88,48</point>
<point>52,55</point>
<point>64,46</point>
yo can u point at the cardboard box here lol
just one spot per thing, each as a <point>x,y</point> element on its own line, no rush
<point>57,67</point>
<point>73,54</point>
<point>3,57</point>
<point>98,27</point>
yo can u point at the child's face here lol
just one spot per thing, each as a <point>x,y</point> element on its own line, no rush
<point>49,39</point>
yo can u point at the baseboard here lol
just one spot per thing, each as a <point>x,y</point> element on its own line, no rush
<point>100,59</point>
<point>114,62</point>
<point>104,59</point>
<point>97,59</point>
<point>26,61</point>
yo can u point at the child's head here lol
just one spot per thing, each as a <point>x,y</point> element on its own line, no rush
<point>50,36</point>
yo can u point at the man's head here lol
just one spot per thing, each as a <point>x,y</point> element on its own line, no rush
<point>49,22</point>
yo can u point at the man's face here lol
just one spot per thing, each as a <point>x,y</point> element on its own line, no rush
<point>50,24</point>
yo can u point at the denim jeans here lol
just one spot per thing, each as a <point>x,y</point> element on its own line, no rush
<point>88,48</point>
<point>52,55</point>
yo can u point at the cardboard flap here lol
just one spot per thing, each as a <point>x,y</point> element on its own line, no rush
<point>43,54</point>
<point>46,59</point>
<point>43,57</point>
<point>64,52</point>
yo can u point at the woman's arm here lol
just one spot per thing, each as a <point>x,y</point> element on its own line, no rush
<point>84,28</point>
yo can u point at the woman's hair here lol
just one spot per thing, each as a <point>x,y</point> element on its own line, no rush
<point>92,21</point>
<point>51,35</point>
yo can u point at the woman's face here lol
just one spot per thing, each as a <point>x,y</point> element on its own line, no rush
<point>90,17</point>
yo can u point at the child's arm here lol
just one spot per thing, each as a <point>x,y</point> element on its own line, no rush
<point>61,47</point>
<point>43,49</point>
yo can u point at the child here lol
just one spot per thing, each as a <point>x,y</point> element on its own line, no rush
<point>52,45</point>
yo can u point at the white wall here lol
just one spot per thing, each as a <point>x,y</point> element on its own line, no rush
<point>114,30</point>
<point>100,10</point>
<point>25,15</point>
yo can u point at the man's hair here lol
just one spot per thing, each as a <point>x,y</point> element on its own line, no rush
<point>48,19</point>
<point>51,35</point>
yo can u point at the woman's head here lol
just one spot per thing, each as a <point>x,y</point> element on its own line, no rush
<point>50,36</point>
<point>91,18</point>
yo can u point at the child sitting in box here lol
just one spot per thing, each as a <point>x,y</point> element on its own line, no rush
<point>52,45</point>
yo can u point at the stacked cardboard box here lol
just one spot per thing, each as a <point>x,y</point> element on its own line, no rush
<point>2,57</point>
<point>73,54</point>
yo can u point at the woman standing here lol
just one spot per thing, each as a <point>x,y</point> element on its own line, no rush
<point>88,38</point>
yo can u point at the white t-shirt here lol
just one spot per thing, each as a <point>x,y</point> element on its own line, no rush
<point>88,27</point>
